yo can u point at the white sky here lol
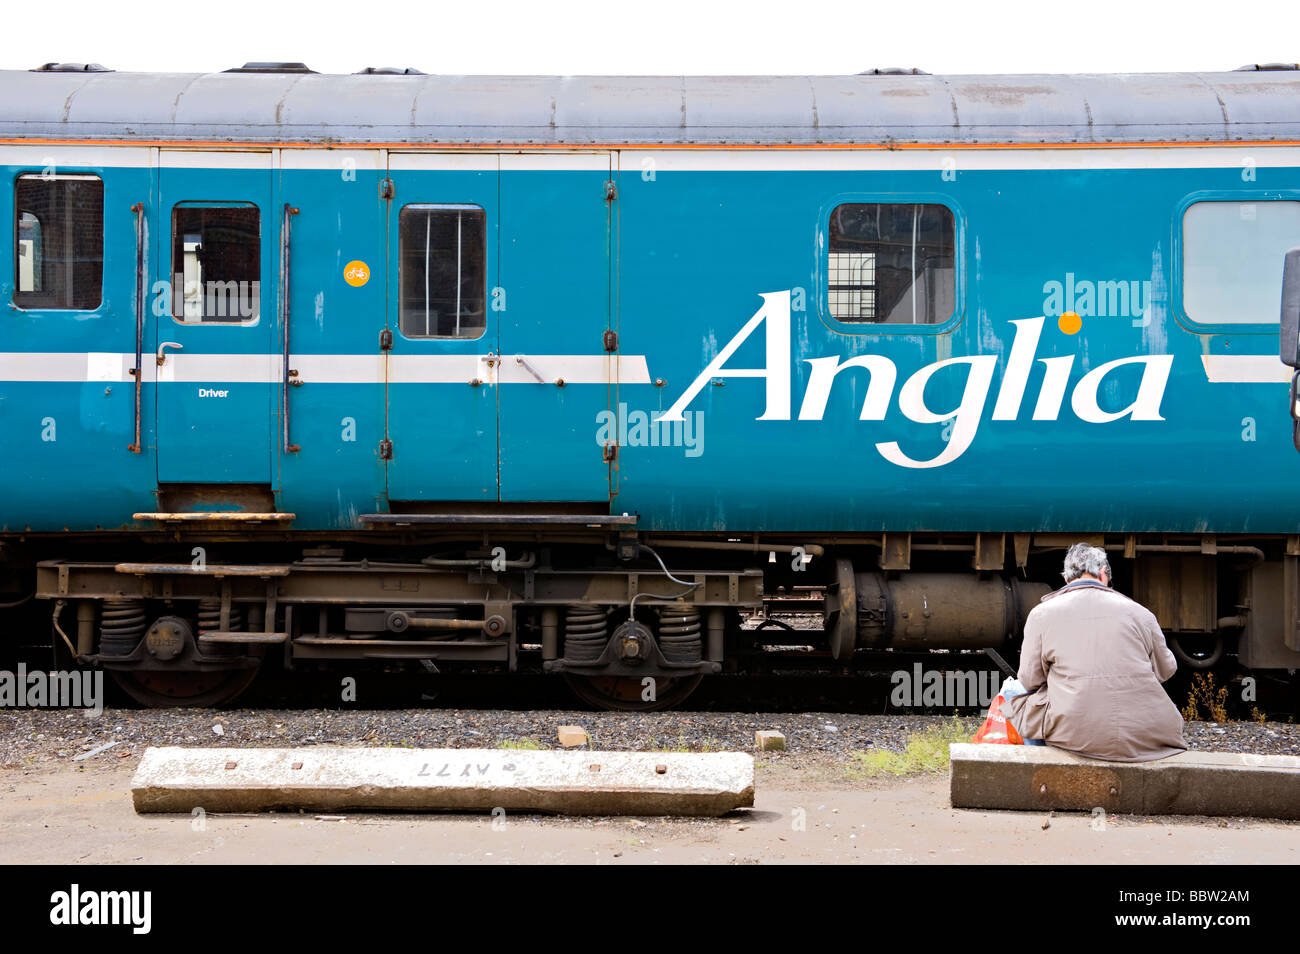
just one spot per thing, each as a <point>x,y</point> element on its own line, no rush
<point>657,36</point>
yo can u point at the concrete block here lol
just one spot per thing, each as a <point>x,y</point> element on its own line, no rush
<point>769,741</point>
<point>572,735</point>
<point>329,779</point>
<point>1041,778</point>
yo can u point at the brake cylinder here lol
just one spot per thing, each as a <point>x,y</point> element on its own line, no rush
<point>941,610</point>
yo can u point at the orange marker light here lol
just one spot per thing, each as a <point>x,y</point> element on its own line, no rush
<point>1070,323</point>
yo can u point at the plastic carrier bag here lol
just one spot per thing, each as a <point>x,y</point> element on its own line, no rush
<point>996,730</point>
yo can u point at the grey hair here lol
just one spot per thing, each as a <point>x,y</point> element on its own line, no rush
<point>1084,558</point>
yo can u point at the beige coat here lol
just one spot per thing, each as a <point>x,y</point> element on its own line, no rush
<point>1093,661</point>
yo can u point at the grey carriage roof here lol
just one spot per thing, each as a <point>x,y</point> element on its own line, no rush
<point>589,110</point>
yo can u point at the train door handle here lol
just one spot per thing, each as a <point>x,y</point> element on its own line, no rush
<point>162,350</point>
<point>523,363</point>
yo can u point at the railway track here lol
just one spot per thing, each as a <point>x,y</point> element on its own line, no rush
<point>793,681</point>
<point>791,671</point>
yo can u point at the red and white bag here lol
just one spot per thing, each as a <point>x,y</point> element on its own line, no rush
<point>997,729</point>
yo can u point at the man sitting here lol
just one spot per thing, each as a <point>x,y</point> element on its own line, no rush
<point>1091,666</point>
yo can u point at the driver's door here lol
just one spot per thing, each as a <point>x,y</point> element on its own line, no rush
<point>213,303</point>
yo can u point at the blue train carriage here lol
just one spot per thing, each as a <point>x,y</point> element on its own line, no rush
<point>578,375</point>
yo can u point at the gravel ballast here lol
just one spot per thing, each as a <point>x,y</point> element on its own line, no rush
<point>33,736</point>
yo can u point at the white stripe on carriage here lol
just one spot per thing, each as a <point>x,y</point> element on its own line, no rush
<point>1245,369</point>
<point>334,160</point>
<point>574,369</point>
<point>73,366</point>
<point>111,367</point>
<point>955,160</point>
<point>439,162</point>
<point>74,157</point>
<point>638,160</point>
<point>213,368</point>
<point>569,161</point>
<point>262,159</point>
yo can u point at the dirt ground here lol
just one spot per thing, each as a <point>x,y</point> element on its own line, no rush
<point>804,812</point>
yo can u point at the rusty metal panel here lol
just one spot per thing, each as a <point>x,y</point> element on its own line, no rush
<point>345,584</point>
<point>1021,543</point>
<point>1264,643</point>
<point>1180,588</point>
<point>990,551</point>
<point>1065,540</point>
<point>1290,592</point>
<point>896,551</point>
<point>206,569</point>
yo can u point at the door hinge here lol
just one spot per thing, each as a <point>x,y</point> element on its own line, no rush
<point>611,340</point>
<point>385,449</point>
<point>611,191</point>
<point>386,189</point>
<point>386,340</point>
<point>610,453</point>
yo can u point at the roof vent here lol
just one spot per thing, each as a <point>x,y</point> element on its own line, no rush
<point>72,68</point>
<point>1267,67</point>
<point>272,68</point>
<point>391,71</point>
<point>894,71</point>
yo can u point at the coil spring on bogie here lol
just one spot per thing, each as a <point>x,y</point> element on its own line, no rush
<point>121,625</point>
<point>586,632</point>
<point>680,630</point>
<point>210,617</point>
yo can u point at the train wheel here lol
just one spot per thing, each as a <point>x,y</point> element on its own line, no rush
<point>624,693</point>
<point>159,688</point>
<point>1197,652</point>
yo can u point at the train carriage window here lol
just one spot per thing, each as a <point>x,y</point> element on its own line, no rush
<point>442,274</point>
<point>59,241</point>
<point>892,263</point>
<point>1232,259</point>
<point>216,264</point>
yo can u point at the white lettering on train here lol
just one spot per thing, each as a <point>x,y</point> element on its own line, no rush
<point>965,416</point>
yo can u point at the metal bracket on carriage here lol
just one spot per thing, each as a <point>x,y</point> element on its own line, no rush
<point>216,516</point>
